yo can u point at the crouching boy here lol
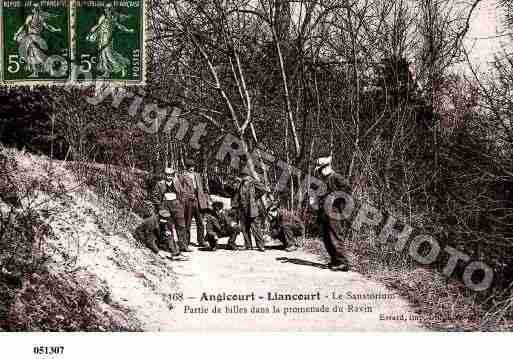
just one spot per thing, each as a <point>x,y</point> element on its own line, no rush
<point>285,226</point>
<point>156,233</point>
<point>219,223</point>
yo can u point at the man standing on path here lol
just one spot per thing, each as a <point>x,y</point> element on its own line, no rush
<point>332,228</point>
<point>246,198</point>
<point>195,201</point>
<point>167,195</point>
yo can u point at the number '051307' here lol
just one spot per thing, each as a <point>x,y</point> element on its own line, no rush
<point>48,350</point>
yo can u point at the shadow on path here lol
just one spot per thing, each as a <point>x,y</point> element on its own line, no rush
<point>218,247</point>
<point>239,248</point>
<point>302,262</point>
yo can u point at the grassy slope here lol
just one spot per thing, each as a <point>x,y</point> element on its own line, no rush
<point>443,304</point>
<point>87,272</point>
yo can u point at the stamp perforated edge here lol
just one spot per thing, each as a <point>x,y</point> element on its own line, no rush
<point>144,52</point>
<point>35,83</point>
<point>72,53</point>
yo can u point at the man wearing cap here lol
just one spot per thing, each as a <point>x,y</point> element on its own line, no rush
<point>167,195</point>
<point>285,226</point>
<point>156,233</point>
<point>220,223</point>
<point>245,200</point>
<point>332,227</point>
<point>195,201</point>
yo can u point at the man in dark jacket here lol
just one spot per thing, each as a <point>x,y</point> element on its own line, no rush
<point>195,201</point>
<point>220,223</point>
<point>285,226</point>
<point>246,201</point>
<point>156,233</point>
<point>167,194</point>
<point>333,229</point>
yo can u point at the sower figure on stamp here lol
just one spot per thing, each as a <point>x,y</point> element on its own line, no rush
<point>333,228</point>
<point>102,33</point>
<point>285,226</point>
<point>167,195</point>
<point>29,36</point>
<point>246,200</point>
<point>195,201</point>
<point>220,223</point>
<point>156,232</point>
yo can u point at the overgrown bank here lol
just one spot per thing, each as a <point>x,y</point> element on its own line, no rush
<point>67,256</point>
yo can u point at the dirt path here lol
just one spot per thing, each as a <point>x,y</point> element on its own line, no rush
<point>277,271</point>
<point>91,240</point>
<point>145,284</point>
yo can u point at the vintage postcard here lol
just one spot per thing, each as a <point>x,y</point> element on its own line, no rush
<point>35,41</point>
<point>279,166</point>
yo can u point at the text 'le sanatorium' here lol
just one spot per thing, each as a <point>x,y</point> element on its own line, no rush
<point>275,296</point>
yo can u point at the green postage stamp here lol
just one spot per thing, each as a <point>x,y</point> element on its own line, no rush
<point>35,41</point>
<point>109,39</point>
<point>62,41</point>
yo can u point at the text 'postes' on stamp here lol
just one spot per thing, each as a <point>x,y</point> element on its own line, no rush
<point>109,39</point>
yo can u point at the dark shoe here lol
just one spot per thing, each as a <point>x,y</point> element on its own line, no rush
<point>340,268</point>
<point>232,247</point>
<point>261,249</point>
<point>202,244</point>
<point>333,264</point>
<point>213,248</point>
<point>187,250</point>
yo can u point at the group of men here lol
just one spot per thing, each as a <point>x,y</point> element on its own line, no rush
<point>181,196</point>
<point>176,200</point>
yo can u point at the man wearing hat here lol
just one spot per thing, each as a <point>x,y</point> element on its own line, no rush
<point>332,228</point>
<point>167,195</point>
<point>246,201</point>
<point>195,201</point>
<point>285,226</point>
<point>156,233</point>
<point>220,223</point>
